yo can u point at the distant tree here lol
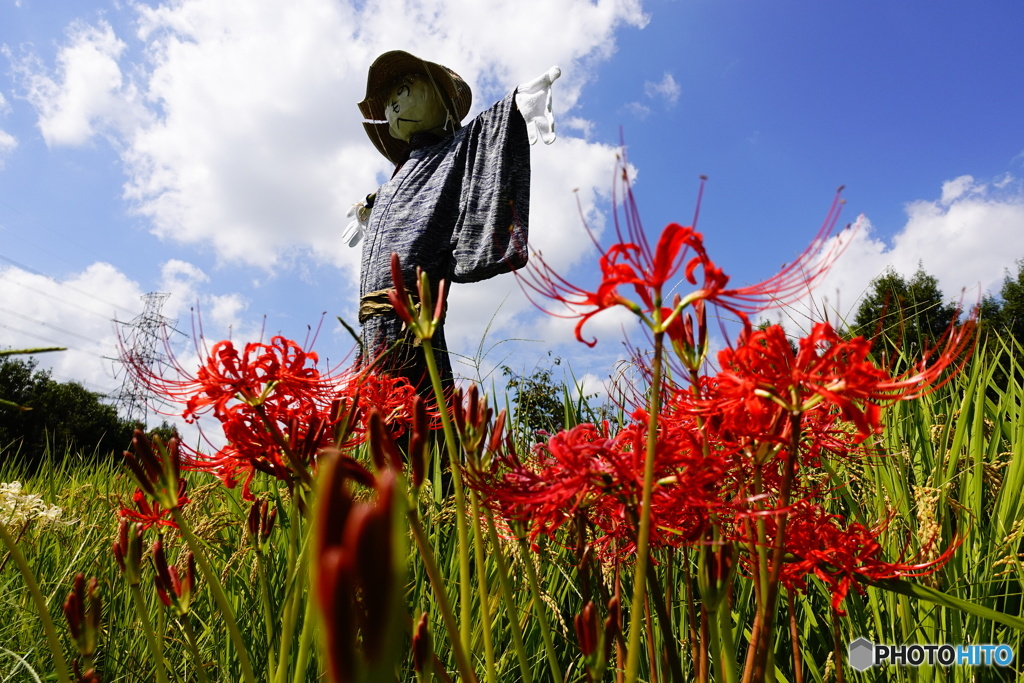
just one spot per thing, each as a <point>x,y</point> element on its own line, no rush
<point>1012,310</point>
<point>907,315</point>
<point>54,417</point>
<point>537,404</point>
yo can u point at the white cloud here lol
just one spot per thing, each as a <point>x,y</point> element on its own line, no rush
<point>7,141</point>
<point>666,89</point>
<point>89,94</point>
<point>967,239</point>
<point>250,142</point>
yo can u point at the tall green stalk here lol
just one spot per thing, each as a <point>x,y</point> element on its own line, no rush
<point>59,662</point>
<point>644,533</point>
<point>152,641</point>
<point>507,597</point>
<point>455,465</point>
<point>213,580</point>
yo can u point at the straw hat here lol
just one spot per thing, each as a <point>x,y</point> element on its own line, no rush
<point>388,68</point>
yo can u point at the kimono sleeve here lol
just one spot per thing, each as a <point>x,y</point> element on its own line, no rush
<point>490,234</point>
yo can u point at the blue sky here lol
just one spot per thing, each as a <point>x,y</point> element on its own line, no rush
<point>210,149</point>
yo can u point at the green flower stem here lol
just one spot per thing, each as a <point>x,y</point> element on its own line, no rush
<point>193,646</point>
<point>723,648</point>
<point>227,613</point>
<point>268,608</point>
<point>437,583</point>
<point>290,608</point>
<point>305,643</point>
<point>507,597</point>
<point>60,663</point>
<point>152,641</point>
<point>665,624</point>
<point>481,569</point>
<point>545,627</point>
<point>644,534</point>
<point>465,589</point>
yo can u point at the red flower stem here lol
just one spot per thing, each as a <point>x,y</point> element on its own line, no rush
<point>462,532</point>
<point>691,610</point>
<point>765,663</point>
<point>507,597</point>
<point>437,583</point>
<point>60,663</point>
<point>644,534</point>
<point>794,636</point>
<point>212,580</point>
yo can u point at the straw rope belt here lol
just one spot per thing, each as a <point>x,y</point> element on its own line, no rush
<point>377,303</point>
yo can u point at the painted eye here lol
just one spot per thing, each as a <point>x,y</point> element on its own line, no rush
<point>403,90</point>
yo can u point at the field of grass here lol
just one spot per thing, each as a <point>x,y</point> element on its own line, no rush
<point>948,472</point>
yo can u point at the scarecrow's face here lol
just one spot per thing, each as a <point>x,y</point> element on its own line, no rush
<point>413,106</point>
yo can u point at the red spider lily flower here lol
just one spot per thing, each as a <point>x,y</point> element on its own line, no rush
<point>632,262</point>
<point>584,470</point>
<point>391,396</point>
<point>839,554</point>
<point>763,379</point>
<point>154,513</point>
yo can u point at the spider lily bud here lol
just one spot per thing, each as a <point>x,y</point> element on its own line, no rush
<point>344,415</point>
<point>585,624</point>
<point>422,647</point>
<point>398,296</point>
<point>128,551</point>
<point>82,610</point>
<point>174,591</point>
<point>261,522</point>
<point>715,571</point>
<point>359,576</point>
<point>471,419</point>
<point>419,442</point>
<point>612,624</point>
<point>156,467</point>
<point>89,676</point>
<point>382,445</point>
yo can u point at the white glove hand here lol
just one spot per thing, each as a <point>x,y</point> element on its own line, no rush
<point>360,215</point>
<point>534,102</point>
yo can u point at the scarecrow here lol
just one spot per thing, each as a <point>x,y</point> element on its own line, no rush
<point>457,204</point>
